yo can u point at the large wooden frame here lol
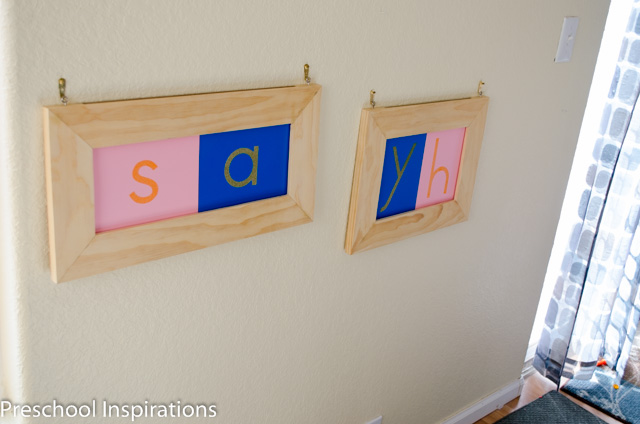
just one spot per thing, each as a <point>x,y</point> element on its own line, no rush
<point>73,131</point>
<point>379,124</point>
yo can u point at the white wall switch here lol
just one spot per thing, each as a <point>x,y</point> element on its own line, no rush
<point>567,38</point>
<point>376,421</point>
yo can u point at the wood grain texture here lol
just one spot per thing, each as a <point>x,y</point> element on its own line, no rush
<point>69,182</point>
<point>366,181</point>
<point>119,248</point>
<point>400,121</point>
<point>72,132</point>
<point>409,224</point>
<point>134,121</point>
<point>303,154</point>
<point>376,126</point>
<point>471,155</point>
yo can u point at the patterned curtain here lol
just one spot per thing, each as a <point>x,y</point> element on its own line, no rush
<point>595,307</point>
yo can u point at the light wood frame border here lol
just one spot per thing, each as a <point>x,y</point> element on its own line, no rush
<point>72,132</point>
<point>379,124</point>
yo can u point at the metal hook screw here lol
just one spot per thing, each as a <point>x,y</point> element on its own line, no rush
<point>307,80</point>
<point>372,94</point>
<point>480,85</point>
<point>62,86</point>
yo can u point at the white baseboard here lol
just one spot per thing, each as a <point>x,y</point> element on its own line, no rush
<point>528,369</point>
<point>531,352</point>
<point>494,401</point>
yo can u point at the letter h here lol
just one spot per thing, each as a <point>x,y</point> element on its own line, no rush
<point>440,169</point>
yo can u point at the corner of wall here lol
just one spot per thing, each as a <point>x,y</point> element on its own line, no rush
<point>10,385</point>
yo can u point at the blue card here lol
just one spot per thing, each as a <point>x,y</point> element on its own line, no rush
<point>400,175</point>
<point>243,166</point>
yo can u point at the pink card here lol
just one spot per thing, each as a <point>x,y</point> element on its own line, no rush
<point>144,182</point>
<point>440,165</point>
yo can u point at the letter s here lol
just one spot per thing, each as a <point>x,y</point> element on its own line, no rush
<point>144,180</point>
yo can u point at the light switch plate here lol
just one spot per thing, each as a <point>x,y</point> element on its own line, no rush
<point>567,38</point>
<point>376,421</point>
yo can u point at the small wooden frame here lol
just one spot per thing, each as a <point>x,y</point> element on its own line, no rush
<point>73,132</point>
<point>377,125</point>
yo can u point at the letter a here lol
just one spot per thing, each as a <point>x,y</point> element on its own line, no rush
<point>441,169</point>
<point>144,180</point>
<point>253,177</point>
<point>399,172</point>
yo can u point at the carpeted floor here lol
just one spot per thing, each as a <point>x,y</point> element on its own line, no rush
<point>622,403</point>
<point>599,392</point>
<point>552,408</point>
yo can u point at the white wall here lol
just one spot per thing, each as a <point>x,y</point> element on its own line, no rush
<point>285,327</point>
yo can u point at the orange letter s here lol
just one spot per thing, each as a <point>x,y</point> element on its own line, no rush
<point>144,180</point>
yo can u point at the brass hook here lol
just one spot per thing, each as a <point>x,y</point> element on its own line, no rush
<point>307,80</point>
<point>62,87</point>
<point>480,85</point>
<point>372,102</point>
